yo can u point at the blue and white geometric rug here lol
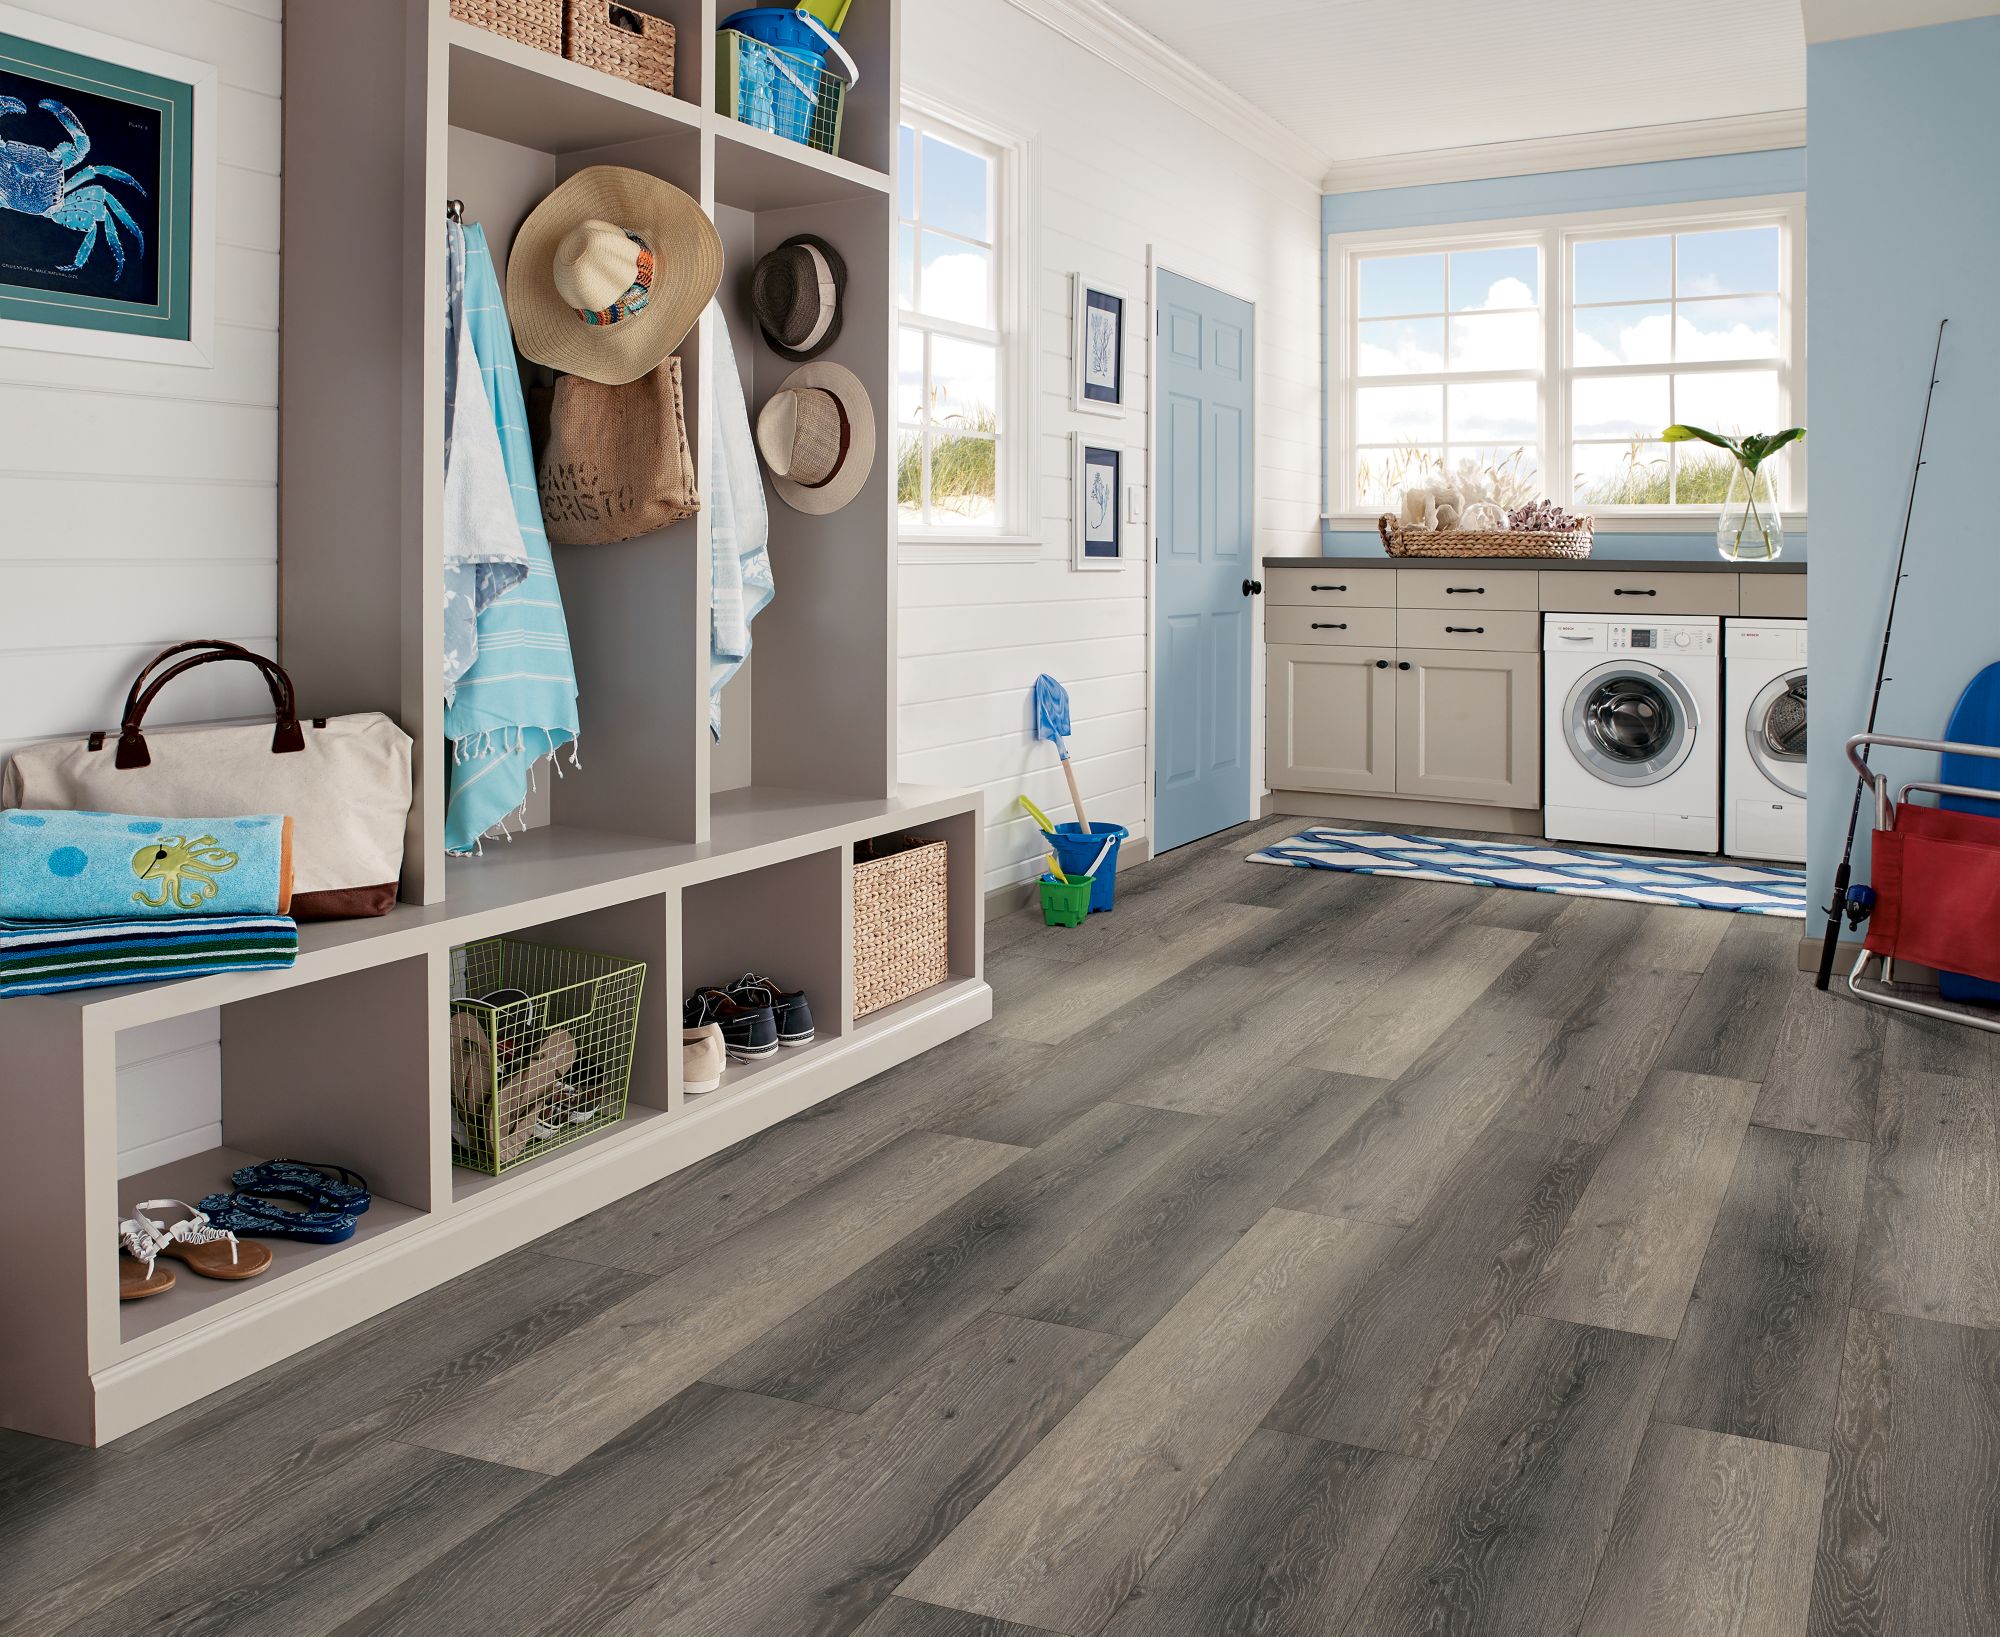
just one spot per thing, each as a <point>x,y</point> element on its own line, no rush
<point>1537,866</point>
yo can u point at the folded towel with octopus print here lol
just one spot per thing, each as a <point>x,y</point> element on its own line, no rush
<point>72,866</point>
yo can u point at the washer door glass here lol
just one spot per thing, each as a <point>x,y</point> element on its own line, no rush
<point>1631,723</point>
<point>1776,730</point>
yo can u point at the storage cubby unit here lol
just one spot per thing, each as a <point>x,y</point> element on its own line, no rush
<point>701,860</point>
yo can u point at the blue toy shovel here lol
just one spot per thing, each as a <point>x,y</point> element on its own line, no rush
<point>1052,722</point>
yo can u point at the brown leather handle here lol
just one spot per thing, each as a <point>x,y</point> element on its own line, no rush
<point>132,752</point>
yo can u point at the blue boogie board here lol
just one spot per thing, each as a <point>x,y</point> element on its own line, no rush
<point>1975,720</point>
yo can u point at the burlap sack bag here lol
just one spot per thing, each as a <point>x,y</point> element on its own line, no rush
<point>616,464</point>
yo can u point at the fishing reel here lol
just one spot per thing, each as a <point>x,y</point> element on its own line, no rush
<point>1858,906</point>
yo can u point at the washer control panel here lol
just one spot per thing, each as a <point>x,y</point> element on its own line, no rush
<point>1665,639</point>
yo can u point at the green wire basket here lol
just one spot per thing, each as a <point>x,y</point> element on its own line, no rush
<point>549,1063</point>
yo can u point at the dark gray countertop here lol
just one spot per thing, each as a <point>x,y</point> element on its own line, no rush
<point>1583,565</point>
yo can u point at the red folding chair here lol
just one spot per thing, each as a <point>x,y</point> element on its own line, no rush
<point>1936,886</point>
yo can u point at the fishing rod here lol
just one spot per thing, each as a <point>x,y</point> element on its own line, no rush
<point>1856,913</point>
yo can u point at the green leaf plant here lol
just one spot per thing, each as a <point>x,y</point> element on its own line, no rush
<point>1751,451</point>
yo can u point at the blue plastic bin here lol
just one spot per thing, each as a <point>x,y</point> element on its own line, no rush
<point>1075,852</point>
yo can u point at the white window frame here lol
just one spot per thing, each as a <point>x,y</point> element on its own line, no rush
<point>1556,234</point>
<point>1016,253</point>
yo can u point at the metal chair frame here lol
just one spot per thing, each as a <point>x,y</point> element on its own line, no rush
<point>1885,818</point>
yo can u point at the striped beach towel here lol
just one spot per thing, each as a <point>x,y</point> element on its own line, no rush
<point>44,957</point>
<point>517,703</point>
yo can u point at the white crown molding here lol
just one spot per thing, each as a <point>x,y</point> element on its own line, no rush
<point>1850,19</point>
<point>1587,150</point>
<point>1101,31</point>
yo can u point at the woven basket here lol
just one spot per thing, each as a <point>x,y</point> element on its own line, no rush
<point>900,920</point>
<point>634,45</point>
<point>538,23</point>
<point>1402,542</point>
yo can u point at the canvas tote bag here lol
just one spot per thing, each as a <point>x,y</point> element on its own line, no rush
<point>616,464</point>
<point>344,781</point>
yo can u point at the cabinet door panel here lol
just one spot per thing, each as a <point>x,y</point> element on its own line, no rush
<point>1331,719</point>
<point>1469,727</point>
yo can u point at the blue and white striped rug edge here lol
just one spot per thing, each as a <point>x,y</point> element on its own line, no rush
<point>1540,866</point>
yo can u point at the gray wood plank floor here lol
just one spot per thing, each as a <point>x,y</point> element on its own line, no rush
<point>1297,1253</point>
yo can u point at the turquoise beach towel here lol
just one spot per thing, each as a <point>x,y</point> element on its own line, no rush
<point>517,703</point>
<point>65,866</point>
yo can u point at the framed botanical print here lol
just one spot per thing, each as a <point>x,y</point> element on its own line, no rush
<point>1099,493</point>
<point>1098,347</point>
<point>107,194</point>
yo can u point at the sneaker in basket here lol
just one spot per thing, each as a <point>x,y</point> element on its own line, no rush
<point>793,1015</point>
<point>749,1032</point>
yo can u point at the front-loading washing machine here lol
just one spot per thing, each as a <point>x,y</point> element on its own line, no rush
<point>1630,749</point>
<point>1764,763</point>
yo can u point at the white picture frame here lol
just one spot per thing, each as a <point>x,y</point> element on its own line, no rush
<point>1100,535</point>
<point>1099,341</point>
<point>197,348</point>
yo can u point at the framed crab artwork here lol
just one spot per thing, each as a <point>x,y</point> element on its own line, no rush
<point>107,194</point>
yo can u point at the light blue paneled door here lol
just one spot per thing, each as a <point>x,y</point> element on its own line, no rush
<point>1204,396</point>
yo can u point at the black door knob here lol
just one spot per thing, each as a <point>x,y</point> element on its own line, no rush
<point>1381,664</point>
<point>1252,587</point>
<point>1402,664</point>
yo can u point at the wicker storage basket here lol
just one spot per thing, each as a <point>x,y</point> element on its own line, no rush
<point>1402,542</point>
<point>900,920</point>
<point>634,45</point>
<point>538,23</point>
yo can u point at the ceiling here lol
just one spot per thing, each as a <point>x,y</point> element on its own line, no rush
<point>1360,79</point>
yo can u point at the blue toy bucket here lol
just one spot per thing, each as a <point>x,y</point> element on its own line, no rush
<point>778,78</point>
<point>1075,852</point>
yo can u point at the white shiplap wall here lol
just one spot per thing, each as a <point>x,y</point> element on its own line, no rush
<point>1120,168</point>
<point>138,505</point>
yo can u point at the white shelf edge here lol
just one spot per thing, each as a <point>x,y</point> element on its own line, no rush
<point>469,37</point>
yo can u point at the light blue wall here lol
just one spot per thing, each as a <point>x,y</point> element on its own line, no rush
<point>1611,187</point>
<point>1904,230</point>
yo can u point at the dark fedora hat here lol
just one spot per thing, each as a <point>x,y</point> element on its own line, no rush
<point>797,293</point>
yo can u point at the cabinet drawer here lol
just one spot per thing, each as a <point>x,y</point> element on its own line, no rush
<point>1347,627</point>
<point>1490,630</point>
<point>1331,587</point>
<point>1771,596</point>
<point>1637,596</point>
<point>1468,588</point>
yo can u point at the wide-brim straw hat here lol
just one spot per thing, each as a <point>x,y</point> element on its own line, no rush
<point>798,293</point>
<point>602,226</point>
<point>817,436</point>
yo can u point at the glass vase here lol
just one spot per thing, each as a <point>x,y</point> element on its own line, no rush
<point>1750,529</point>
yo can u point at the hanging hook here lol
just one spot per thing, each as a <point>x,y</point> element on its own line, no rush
<point>454,210</point>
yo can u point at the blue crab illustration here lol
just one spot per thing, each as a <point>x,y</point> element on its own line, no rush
<point>56,184</point>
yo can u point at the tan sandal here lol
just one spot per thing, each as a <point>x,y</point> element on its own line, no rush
<point>212,1252</point>
<point>137,1279</point>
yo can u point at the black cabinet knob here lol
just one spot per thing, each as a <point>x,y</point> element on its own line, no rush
<point>1381,664</point>
<point>1252,587</point>
<point>1402,664</point>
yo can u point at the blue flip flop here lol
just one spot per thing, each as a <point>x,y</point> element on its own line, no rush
<point>254,1218</point>
<point>318,1187</point>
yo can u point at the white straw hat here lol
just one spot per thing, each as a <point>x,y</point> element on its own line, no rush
<point>609,273</point>
<point>817,435</point>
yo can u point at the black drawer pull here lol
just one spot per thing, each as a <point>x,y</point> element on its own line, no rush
<point>1381,664</point>
<point>1465,630</point>
<point>1317,626</point>
<point>1620,591</point>
<point>1402,664</point>
<point>1465,591</point>
<point>1329,588</point>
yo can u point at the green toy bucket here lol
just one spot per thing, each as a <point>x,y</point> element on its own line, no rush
<point>830,12</point>
<point>1065,903</point>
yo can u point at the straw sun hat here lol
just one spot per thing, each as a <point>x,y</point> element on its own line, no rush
<point>817,435</point>
<point>609,273</point>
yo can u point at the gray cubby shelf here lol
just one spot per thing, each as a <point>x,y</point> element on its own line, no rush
<point>702,862</point>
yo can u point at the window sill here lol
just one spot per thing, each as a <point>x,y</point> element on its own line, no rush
<point>1697,520</point>
<point>962,548</point>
